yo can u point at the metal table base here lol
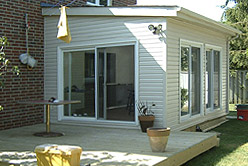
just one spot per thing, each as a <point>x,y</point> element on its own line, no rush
<point>48,133</point>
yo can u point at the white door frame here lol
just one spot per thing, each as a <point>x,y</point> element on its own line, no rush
<point>212,48</point>
<point>190,44</point>
<point>60,79</point>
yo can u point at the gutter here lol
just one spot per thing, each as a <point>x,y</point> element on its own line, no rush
<point>206,22</point>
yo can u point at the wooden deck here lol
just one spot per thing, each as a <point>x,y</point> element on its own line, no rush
<point>104,146</point>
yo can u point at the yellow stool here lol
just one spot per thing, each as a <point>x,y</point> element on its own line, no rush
<point>58,155</point>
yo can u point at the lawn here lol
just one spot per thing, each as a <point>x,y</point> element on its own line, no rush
<point>233,147</point>
<point>232,110</point>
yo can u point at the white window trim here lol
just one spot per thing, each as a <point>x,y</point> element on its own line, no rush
<point>60,80</point>
<point>215,48</point>
<point>188,43</point>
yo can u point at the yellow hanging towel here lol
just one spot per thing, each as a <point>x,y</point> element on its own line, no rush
<point>63,28</point>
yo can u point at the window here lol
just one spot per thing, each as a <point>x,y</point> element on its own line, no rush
<point>190,79</point>
<point>184,77</point>
<point>99,2</point>
<point>213,79</point>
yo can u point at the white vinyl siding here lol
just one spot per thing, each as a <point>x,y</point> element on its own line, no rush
<point>91,32</point>
<point>177,30</point>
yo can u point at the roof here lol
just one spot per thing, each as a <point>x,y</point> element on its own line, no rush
<point>172,11</point>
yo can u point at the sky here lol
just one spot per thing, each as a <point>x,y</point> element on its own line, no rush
<point>208,8</point>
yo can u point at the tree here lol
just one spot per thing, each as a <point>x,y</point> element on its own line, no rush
<point>4,63</point>
<point>237,17</point>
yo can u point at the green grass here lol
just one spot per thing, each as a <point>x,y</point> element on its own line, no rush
<point>233,149</point>
<point>232,110</point>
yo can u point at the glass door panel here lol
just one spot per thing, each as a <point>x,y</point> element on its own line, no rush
<point>101,83</point>
<point>184,81</point>
<point>208,79</point>
<point>79,83</point>
<point>213,70</point>
<point>196,80</point>
<point>217,77</point>
<point>116,83</point>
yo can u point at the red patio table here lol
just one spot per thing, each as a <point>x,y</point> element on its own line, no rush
<point>48,103</point>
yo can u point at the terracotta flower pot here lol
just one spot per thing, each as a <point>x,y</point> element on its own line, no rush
<point>158,138</point>
<point>146,122</point>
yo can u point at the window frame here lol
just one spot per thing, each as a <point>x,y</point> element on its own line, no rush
<point>60,80</point>
<point>97,3</point>
<point>212,48</point>
<point>190,44</point>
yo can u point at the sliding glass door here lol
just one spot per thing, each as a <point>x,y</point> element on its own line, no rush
<point>116,83</point>
<point>79,83</point>
<point>213,79</point>
<point>196,80</point>
<point>103,79</point>
<point>190,80</point>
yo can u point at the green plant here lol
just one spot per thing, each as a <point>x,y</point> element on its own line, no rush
<point>233,73</point>
<point>5,63</point>
<point>144,109</point>
<point>237,17</point>
<point>184,59</point>
<point>184,96</point>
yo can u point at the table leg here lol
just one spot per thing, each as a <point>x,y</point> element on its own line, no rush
<point>48,118</point>
<point>48,133</point>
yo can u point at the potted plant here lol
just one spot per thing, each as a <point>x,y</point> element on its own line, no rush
<point>158,138</point>
<point>146,117</point>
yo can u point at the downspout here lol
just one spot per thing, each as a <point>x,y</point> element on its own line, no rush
<point>228,70</point>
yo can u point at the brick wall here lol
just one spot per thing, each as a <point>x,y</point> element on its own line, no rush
<point>30,84</point>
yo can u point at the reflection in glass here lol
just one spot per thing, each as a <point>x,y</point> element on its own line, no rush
<point>91,1</point>
<point>79,83</point>
<point>102,2</point>
<point>216,79</point>
<point>184,83</point>
<point>208,79</point>
<point>116,83</point>
<point>196,81</point>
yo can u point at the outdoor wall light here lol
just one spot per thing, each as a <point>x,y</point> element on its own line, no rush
<point>156,29</point>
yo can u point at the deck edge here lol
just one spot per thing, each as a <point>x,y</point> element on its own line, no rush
<point>189,153</point>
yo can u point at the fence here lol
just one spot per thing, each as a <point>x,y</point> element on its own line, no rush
<point>238,87</point>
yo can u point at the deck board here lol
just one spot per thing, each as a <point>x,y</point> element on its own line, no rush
<point>107,146</point>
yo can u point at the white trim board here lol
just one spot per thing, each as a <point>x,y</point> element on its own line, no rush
<point>175,12</point>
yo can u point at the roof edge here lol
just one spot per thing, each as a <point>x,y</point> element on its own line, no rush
<point>129,11</point>
<point>146,11</point>
<point>206,21</point>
